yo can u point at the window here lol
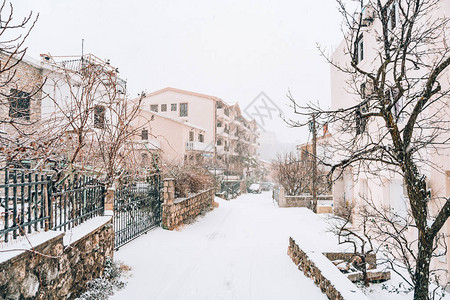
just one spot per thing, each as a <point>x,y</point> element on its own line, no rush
<point>219,124</point>
<point>360,119</point>
<point>154,107</point>
<point>144,159</point>
<point>226,111</point>
<point>392,16</point>
<point>392,97</point>
<point>19,104</point>
<point>99,116</point>
<point>219,105</point>
<point>144,134</point>
<point>163,107</point>
<point>201,138</point>
<point>359,49</point>
<point>173,107</point>
<point>219,142</point>
<point>183,109</point>
<point>191,136</point>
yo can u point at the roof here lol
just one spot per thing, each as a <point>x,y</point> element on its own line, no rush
<point>318,139</point>
<point>173,120</point>
<point>170,89</point>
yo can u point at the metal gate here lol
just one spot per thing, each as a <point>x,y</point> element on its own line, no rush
<point>137,208</point>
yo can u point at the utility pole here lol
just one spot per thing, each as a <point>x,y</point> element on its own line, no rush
<point>314,160</point>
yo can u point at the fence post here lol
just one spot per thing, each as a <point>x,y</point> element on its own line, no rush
<point>49,223</point>
<point>109,201</point>
<point>168,197</point>
<point>281,197</point>
<point>169,190</point>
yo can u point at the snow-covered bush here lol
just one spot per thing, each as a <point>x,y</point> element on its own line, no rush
<point>103,287</point>
<point>188,178</point>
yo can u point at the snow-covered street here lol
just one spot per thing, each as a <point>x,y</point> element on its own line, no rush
<point>237,251</point>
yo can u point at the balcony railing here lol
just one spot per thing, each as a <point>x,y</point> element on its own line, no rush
<point>199,146</point>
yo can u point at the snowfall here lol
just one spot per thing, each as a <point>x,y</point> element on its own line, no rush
<point>236,251</point>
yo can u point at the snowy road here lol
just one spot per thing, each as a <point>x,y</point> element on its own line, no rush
<point>237,251</point>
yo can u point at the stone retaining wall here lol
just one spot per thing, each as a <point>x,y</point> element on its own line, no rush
<point>176,212</point>
<point>52,270</point>
<point>324,274</point>
<point>371,258</point>
<point>299,201</point>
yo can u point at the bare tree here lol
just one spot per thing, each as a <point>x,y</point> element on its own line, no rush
<point>293,174</point>
<point>115,147</point>
<point>360,236</point>
<point>92,116</point>
<point>400,112</point>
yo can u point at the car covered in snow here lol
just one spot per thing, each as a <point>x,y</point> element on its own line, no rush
<point>267,186</point>
<point>255,188</point>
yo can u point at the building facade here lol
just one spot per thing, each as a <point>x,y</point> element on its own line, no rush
<point>386,188</point>
<point>223,137</point>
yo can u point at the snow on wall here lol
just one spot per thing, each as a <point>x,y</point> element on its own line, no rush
<point>325,275</point>
<point>50,266</point>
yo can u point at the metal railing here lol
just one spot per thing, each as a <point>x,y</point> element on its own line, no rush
<point>137,208</point>
<point>33,202</point>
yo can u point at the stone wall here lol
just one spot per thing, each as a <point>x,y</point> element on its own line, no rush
<point>371,258</point>
<point>55,270</point>
<point>324,274</point>
<point>176,212</point>
<point>300,201</point>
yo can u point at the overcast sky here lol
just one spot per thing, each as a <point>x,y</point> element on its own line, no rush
<point>229,49</point>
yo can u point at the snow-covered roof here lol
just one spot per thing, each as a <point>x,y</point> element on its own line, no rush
<point>173,119</point>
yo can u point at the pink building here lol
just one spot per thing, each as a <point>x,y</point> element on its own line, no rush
<point>386,188</point>
<point>221,135</point>
<point>173,140</point>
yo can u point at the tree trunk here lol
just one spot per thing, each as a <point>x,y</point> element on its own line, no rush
<point>422,273</point>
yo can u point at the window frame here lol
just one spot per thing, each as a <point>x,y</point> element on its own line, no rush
<point>184,109</point>
<point>360,49</point>
<point>17,109</point>
<point>99,116</point>
<point>173,107</point>
<point>154,107</point>
<point>144,133</point>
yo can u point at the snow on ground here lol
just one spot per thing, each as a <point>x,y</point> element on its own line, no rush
<point>237,251</point>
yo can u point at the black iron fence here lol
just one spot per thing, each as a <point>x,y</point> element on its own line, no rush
<point>34,202</point>
<point>137,208</point>
<point>75,201</point>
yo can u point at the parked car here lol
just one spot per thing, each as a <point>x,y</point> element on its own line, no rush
<point>266,186</point>
<point>255,188</point>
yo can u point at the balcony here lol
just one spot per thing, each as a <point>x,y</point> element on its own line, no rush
<point>199,146</point>
<point>222,131</point>
<point>151,144</point>
<point>221,114</point>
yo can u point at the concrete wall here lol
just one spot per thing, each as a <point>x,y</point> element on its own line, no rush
<point>54,269</point>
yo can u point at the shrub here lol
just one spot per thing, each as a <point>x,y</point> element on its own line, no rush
<point>103,287</point>
<point>188,179</point>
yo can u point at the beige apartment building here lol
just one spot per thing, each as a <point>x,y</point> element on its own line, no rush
<point>386,188</point>
<point>219,135</point>
<point>172,140</point>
